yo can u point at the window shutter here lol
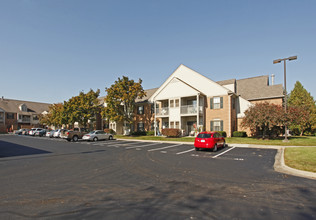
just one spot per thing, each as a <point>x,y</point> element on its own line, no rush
<point>222,126</point>
<point>211,103</point>
<point>221,102</point>
<point>212,126</point>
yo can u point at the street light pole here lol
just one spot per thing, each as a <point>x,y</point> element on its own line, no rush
<point>285,96</point>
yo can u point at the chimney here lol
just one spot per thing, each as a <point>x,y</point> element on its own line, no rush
<point>272,79</point>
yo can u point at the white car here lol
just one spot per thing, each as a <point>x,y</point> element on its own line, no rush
<point>34,130</point>
<point>57,133</point>
<point>97,135</point>
<point>50,133</point>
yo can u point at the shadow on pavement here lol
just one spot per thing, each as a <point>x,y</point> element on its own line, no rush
<point>8,149</point>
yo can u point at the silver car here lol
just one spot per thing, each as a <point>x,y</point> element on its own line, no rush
<point>97,135</point>
<point>50,133</point>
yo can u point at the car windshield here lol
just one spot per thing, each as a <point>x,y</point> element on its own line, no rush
<point>91,132</point>
<point>204,135</point>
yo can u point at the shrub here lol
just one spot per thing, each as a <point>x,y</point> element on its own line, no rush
<point>222,133</point>
<point>239,134</point>
<point>171,132</point>
<point>139,133</point>
<point>150,133</point>
<point>109,131</point>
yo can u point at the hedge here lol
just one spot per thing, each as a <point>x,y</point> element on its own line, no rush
<point>171,132</point>
<point>150,133</point>
<point>222,133</point>
<point>239,134</point>
<point>139,133</point>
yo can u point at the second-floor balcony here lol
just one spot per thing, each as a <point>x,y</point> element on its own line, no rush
<point>24,119</point>
<point>162,111</point>
<point>184,110</point>
<point>191,109</point>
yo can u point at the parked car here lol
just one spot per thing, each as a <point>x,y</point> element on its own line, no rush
<point>75,134</point>
<point>34,130</point>
<point>50,133</point>
<point>40,132</point>
<point>26,131</point>
<point>97,135</point>
<point>20,131</point>
<point>58,132</point>
<point>209,140</point>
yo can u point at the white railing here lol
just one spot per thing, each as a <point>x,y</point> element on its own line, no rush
<point>162,111</point>
<point>24,120</point>
<point>190,109</point>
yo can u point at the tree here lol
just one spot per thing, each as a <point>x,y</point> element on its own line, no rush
<point>120,100</point>
<point>264,117</point>
<point>298,118</point>
<point>302,102</point>
<point>54,115</point>
<point>81,108</point>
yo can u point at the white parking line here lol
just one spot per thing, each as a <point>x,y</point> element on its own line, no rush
<point>165,147</point>
<point>187,151</point>
<point>143,146</point>
<point>223,152</point>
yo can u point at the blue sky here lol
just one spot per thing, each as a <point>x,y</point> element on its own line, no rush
<point>50,50</point>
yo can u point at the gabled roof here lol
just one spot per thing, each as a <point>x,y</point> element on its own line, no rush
<point>256,88</point>
<point>13,106</point>
<point>195,80</point>
<point>227,82</point>
<point>149,93</point>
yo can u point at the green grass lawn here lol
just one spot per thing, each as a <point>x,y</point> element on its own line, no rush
<point>294,141</point>
<point>302,158</point>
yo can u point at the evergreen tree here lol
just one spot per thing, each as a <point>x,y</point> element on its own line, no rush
<point>301,99</point>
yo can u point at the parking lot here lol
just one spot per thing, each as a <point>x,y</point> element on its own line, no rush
<point>52,178</point>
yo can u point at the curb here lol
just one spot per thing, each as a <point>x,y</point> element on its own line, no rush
<point>279,166</point>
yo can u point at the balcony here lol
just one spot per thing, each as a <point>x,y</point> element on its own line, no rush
<point>24,120</point>
<point>191,110</point>
<point>162,111</point>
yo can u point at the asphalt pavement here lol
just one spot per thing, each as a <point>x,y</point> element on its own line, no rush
<point>54,179</point>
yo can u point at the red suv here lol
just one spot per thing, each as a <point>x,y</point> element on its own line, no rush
<point>209,140</point>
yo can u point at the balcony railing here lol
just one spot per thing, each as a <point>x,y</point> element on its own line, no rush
<point>162,111</point>
<point>24,120</point>
<point>190,109</point>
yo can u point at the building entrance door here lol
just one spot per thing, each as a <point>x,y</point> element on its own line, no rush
<point>190,127</point>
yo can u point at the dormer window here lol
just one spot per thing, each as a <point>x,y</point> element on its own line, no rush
<point>23,108</point>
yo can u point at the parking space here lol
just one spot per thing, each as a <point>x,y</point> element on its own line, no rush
<point>176,149</point>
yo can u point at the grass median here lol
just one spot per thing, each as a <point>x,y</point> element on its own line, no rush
<point>302,158</point>
<point>293,141</point>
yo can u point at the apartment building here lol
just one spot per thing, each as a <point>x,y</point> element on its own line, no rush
<point>192,102</point>
<point>16,114</point>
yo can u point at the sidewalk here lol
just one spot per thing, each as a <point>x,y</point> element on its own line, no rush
<point>279,164</point>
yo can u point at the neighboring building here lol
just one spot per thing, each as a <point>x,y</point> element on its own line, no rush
<point>192,102</point>
<point>16,114</point>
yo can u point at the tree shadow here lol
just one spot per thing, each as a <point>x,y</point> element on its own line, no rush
<point>8,149</point>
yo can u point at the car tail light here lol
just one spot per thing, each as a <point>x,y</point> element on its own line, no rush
<point>67,133</point>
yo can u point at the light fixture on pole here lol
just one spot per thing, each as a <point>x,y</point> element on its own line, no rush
<point>285,95</point>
